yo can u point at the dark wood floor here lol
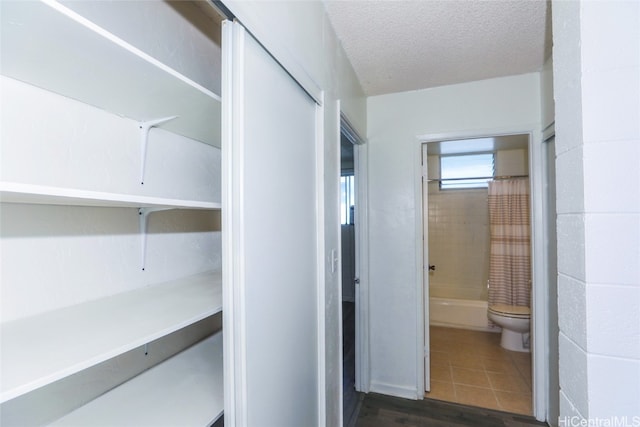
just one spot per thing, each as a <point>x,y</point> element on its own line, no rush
<point>384,411</point>
<point>351,398</point>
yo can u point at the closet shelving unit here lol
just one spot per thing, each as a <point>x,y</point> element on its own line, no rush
<point>195,396</point>
<point>39,350</point>
<point>14,192</point>
<point>50,46</point>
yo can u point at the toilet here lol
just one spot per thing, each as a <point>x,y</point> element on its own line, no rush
<point>515,321</point>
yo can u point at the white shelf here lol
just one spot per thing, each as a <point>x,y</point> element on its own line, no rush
<point>185,390</point>
<point>50,46</point>
<point>12,192</point>
<point>39,350</point>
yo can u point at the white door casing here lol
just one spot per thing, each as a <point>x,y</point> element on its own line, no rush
<point>425,267</point>
<point>540,315</point>
<point>361,256</point>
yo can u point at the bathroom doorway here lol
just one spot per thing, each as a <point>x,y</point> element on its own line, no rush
<point>466,363</point>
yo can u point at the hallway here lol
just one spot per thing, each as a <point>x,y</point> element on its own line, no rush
<point>384,411</point>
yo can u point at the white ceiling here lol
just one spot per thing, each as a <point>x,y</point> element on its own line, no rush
<point>397,46</point>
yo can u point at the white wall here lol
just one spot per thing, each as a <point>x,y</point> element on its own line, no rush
<point>546,94</point>
<point>597,92</point>
<point>509,104</point>
<point>299,35</point>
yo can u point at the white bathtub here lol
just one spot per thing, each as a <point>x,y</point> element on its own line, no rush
<point>459,313</point>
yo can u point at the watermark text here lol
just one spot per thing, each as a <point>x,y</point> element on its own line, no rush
<point>577,421</point>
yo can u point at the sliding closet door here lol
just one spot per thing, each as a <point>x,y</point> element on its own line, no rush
<point>271,256</point>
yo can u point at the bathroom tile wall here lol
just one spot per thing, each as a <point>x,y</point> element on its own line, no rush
<point>459,232</point>
<point>459,244</point>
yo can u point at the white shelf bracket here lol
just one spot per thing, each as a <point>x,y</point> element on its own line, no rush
<point>143,214</point>
<point>145,127</point>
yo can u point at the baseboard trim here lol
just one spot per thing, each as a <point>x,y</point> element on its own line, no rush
<point>395,390</point>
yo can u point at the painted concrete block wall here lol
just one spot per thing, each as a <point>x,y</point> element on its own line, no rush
<point>302,39</point>
<point>597,91</point>
<point>396,124</point>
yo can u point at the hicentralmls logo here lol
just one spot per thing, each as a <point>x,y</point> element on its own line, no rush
<point>576,421</point>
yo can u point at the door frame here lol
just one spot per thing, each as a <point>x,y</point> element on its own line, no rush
<point>360,171</point>
<point>540,321</point>
<point>424,263</point>
<point>553,396</point>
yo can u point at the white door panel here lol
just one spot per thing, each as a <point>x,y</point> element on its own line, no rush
<point>271,224</point>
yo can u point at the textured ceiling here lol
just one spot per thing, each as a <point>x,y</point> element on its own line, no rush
<point>396,46</point>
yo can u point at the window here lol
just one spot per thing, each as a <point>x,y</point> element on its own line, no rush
<point>466,171</point>
<point>347,199</point>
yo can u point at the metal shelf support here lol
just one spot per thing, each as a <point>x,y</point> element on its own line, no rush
<point>145,127</point>
<point>143,214</point>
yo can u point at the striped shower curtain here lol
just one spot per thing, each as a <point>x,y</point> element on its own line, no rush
<point>510,243</point>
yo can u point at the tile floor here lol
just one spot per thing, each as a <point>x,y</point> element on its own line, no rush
<point>470,368</point>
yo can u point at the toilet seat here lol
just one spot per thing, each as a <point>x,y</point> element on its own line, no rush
<point>514,311</point>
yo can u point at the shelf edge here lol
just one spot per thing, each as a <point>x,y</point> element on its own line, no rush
<point>12,192</point>
<point>55,375</point>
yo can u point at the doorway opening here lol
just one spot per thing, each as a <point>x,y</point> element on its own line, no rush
<point>352,223</point>
<point>466,361</point>
<point>348,243</point>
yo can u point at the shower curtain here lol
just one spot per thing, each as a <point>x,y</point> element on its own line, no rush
<point>510,243</point>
